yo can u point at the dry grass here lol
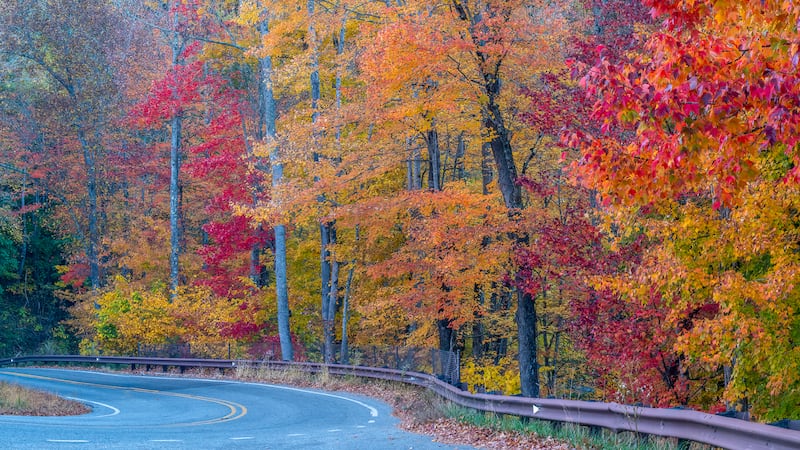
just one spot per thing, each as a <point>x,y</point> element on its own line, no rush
<point>16,400</point>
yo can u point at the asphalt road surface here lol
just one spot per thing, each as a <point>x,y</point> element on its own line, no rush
<point>140,412</point>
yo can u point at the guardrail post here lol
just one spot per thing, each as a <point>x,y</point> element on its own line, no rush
<point>457,381</point>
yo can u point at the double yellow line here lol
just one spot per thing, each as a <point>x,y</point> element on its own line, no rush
<point>236,410</point>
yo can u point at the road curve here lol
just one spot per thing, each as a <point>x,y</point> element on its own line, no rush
<point>141,412</point>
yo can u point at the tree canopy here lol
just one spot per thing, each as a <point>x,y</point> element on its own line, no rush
<point>592,199</point>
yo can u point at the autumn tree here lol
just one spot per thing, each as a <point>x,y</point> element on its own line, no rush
<point>710,129</point>
<point>475,51</point>
<point>260,16</point>
<point>74,56</point>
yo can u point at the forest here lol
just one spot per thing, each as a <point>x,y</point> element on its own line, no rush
<point>588,199</point>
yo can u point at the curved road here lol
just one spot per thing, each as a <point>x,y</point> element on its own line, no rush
<point>140,412</point>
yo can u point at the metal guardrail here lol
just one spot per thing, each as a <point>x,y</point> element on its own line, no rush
<point>124,360</point>
<point>682,424</point>
<point>443,364</point>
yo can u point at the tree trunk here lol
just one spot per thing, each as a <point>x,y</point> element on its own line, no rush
<point>458,161</point>
<point>416,169</point>
<point>446,347</point>
<point>325,291</point>
<point>556,353</point>
<point>333,299</point>
<point>91,192</point>
<point>339,41</point>
<point>434,160</point>
<point>502,152</point>
<point>23,251</point>
<point>345,351</point>
<point>314,78</point>
<point>326,230</point>
<point>174,170</point>
<point>527,328</point>
<point>477,339</point>
<point>343,354</point>
<point>268,118</point>
<point>255,265</point>
<point>330,291</point>
<point>486,168</point>
<point>477,325</point>
<point>526,308</point>
<point>174,204</point>
<point>512,196</point>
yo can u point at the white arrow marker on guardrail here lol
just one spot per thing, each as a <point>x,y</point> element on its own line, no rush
<point>535,409</point>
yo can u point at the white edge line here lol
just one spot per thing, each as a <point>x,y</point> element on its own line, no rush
<point>372,411</point>
<point>114,413</point>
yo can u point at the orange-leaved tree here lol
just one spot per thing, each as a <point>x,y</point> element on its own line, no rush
<point>473,58</point>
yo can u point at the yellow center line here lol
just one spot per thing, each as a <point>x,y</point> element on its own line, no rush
<point>237,410</point>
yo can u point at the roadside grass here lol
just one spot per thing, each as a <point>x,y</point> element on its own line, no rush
<point>579,437</point>
<point>16,400</point>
